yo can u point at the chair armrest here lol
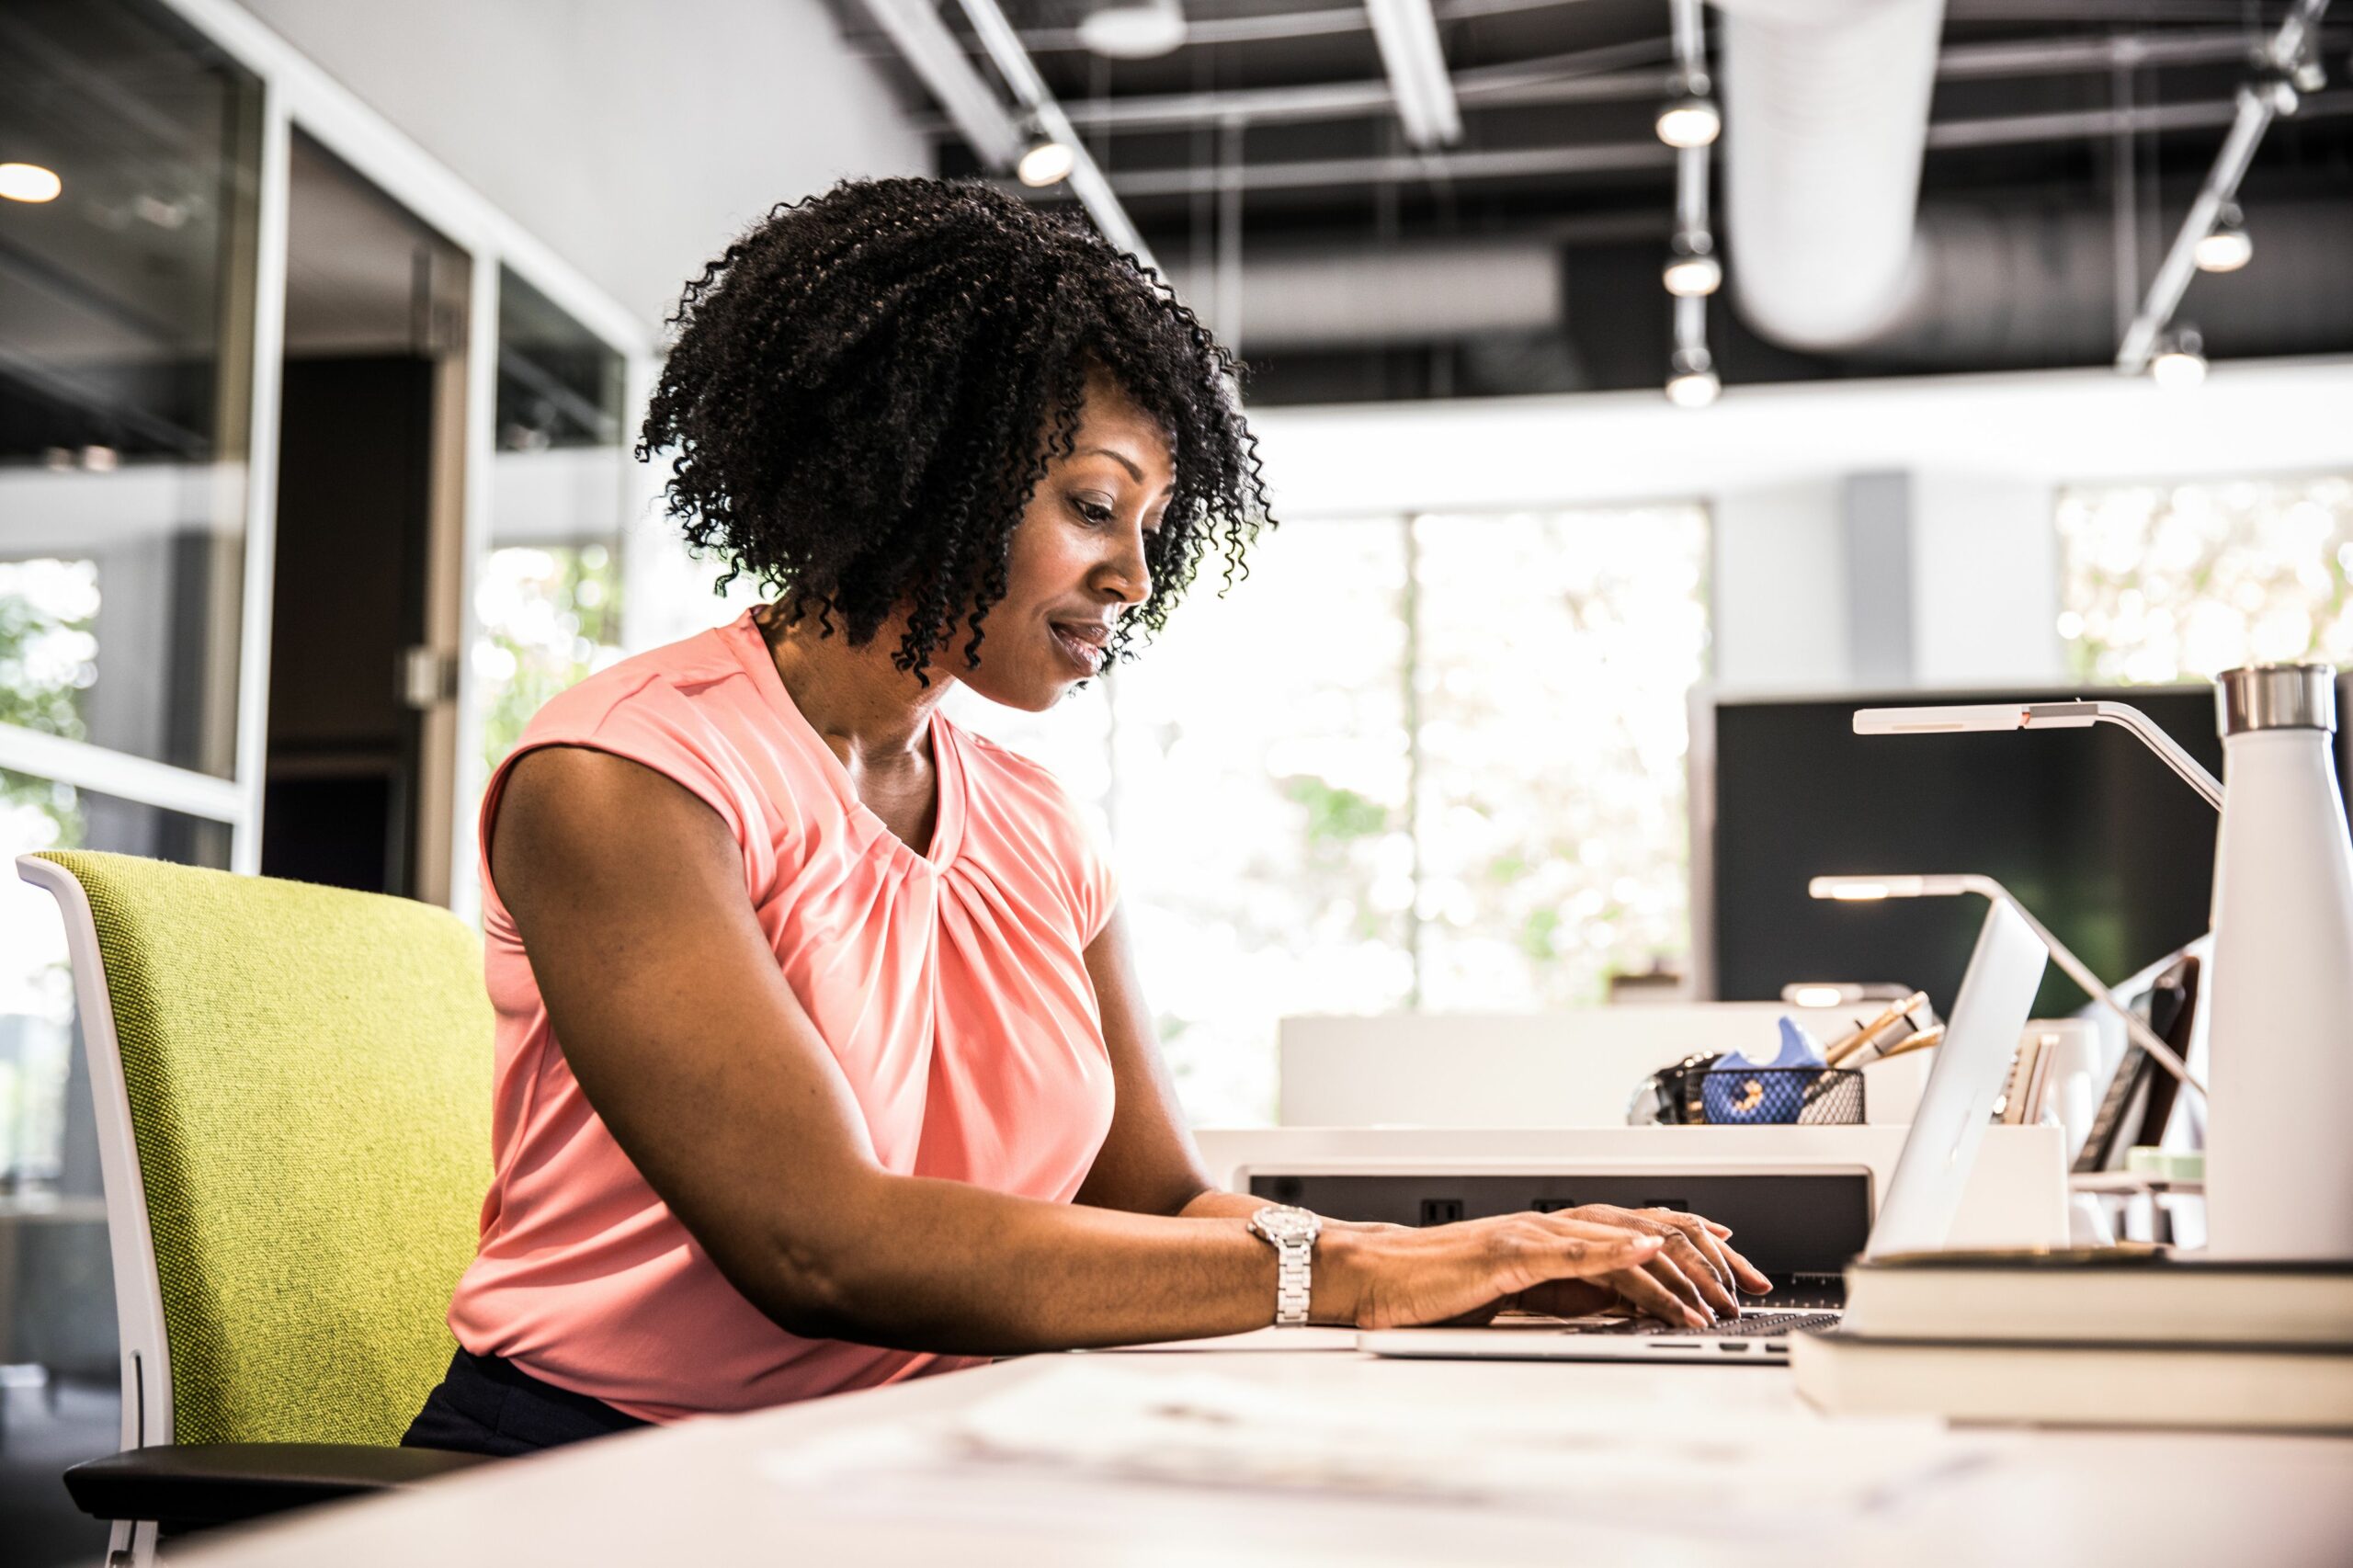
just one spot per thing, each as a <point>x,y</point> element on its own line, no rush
<point>218,1483</point>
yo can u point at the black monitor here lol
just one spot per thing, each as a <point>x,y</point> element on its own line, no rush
<point>2089,829</point>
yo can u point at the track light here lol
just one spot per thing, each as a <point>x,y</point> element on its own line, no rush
<point>1691,118</point>
<point>2179,362</point>
<point>1047,162</point>
<point>1692,270</point>
<point>28,182</point>
<point>1691,379</point>
<point>2225,247</point>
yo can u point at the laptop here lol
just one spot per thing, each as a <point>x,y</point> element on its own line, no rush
<point>1923,1195</point>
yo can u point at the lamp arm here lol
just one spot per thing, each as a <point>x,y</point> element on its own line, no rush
<point>2143,1035</point>
<point>2125,716</point>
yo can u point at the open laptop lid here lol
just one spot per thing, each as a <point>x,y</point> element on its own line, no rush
<point>1981,1039</point>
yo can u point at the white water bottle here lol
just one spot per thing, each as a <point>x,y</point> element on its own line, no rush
<point>2280,1037</point>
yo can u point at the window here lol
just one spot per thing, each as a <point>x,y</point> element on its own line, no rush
<point>548,597</point>
<point>1432,762</point>
<point>2176,582</point>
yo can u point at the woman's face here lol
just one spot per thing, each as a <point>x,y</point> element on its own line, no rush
<point>1079,560</point>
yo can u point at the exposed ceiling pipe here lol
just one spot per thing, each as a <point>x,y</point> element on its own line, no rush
<point>1406,33</point>
<point>1518,162</point>
<point>933,53</point>
<point>2272,94</point>
<point>1591,75</point>
<point>1086,181</point>
<point>1827,110</point>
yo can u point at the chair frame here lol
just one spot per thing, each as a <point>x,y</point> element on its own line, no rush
<point>138,1289</point>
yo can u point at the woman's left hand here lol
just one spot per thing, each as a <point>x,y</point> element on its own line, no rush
<point>1697,1249</point>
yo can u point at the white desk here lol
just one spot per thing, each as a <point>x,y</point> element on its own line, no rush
<point>698,1494</point>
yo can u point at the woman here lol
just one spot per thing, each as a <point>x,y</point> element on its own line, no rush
<point>855,1081</point>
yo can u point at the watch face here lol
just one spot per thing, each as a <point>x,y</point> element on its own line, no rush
<point>1286,1225</point>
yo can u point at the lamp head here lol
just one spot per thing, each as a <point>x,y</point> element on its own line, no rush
<point>1871,890</point>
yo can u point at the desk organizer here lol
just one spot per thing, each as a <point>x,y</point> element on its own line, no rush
<point>1748,1096</point>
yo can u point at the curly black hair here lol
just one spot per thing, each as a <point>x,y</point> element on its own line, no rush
<point>865,389</point>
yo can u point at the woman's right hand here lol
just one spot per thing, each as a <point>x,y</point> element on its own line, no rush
<point>1465,1272</point>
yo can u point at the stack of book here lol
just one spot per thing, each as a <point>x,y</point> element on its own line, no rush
<point>2111,1337</point>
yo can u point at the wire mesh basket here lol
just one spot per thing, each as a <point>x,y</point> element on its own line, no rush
<point>1737,1097</point>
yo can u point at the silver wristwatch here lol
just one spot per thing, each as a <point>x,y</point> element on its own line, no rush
<point>1293,1232</point>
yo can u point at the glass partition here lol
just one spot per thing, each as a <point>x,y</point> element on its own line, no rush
<point>126,303</point>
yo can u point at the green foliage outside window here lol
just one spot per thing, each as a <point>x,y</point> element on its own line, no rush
<point>551,618</point>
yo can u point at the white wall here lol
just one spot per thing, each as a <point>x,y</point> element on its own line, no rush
<point>1781,587</point>
<point>634,139</point>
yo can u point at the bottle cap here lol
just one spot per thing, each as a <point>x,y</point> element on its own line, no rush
<point>2277,696</point>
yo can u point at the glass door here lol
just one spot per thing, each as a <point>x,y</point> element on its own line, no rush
<point>361,753</point>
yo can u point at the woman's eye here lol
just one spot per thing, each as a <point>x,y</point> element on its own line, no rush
<point>1094,512</point>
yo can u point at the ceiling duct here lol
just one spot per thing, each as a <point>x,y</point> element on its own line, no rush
<point>1826,112</point>
<point>2000,287</point>
<point>1346,296</point>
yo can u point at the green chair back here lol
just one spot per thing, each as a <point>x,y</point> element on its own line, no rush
<point>308,1072</point>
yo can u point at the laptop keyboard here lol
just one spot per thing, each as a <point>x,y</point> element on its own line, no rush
<point>1747,1325</point>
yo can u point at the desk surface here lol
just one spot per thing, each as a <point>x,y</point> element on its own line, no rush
<point>708,1491</point>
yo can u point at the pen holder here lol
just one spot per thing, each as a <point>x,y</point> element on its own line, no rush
<point>1740,1096</point>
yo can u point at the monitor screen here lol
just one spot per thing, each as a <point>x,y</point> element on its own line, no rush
<point>2086,827</point>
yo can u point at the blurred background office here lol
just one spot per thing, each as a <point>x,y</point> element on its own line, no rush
<point>1639,383</point>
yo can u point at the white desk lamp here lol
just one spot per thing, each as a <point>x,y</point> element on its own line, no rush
<point>2040,715</point>
<point>1864,889</point>
<point>2280,1008</point>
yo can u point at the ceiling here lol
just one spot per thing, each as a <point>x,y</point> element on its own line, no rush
<point>1289,100</point>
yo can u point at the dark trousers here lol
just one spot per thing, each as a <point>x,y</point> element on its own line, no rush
<point>488,1405</point>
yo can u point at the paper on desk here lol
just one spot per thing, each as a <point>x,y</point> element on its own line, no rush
<point>1094,1421</point>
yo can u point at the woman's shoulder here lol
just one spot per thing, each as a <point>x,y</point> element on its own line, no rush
<point>673,683</point>
<point>1013,777</point>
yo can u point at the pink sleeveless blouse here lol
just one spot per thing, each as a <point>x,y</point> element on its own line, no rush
<point>950,987</point>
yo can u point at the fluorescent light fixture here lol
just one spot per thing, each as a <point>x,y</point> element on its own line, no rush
<point>1048,162</point>
<point>1861,890</point>
<point>1132,29</point>
<point>29,182</point>
<point>1689,276</point>
<point>1980,717</point>
<point>1406,33</point>
<point>2225,247</point>
<point>1690,121</point>
<point>2179,362</point>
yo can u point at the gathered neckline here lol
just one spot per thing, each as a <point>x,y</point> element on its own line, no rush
<point>751,649</point>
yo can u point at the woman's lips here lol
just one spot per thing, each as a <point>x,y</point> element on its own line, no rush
<point>1082,645</point>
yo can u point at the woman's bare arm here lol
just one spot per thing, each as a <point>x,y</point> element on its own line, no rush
<point>628,893</point>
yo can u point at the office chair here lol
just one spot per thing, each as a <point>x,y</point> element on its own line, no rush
<point>292,1086</point>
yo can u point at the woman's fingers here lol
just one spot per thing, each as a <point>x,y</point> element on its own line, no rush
<point>1642,1291</point>
<point>1719,1258</point>
<point>1693,1247</point>
<point>1683,1283</point>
